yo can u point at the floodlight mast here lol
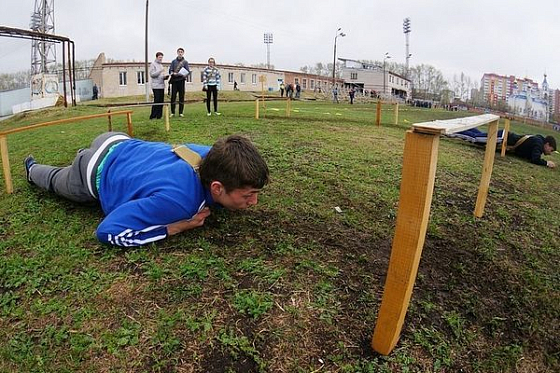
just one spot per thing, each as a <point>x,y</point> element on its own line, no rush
<point>406,30</point>
<point>268,40</point>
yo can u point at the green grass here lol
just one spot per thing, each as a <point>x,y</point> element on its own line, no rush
<point>291,285</point>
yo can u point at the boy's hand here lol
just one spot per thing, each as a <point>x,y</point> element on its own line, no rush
<point>184,225</point>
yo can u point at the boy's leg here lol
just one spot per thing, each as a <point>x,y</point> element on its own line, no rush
<point>70,182</point>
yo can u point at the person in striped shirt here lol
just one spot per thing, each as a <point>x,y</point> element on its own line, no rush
<point>211,84</point>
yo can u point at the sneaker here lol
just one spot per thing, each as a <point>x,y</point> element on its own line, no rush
<point>208,114</point>
<point>28,162</point>
<point>181,115</point>
<point>217,113</point>
<point>172,115</point>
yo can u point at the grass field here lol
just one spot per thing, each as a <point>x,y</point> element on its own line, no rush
<point>290,285</point>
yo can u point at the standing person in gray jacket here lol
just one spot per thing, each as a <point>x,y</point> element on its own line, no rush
<point>211,84</point>
<point>158,75</point>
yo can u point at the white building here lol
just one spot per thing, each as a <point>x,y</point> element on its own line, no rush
<point>374,78</point>
<point>529,101</point>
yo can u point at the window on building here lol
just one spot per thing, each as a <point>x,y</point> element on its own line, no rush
<point>353,76</point>
<point>140,77</point>
<point>304,84</point>
<point>202,76</point>
<point>312,84</point>
<point>122,78</point>
<point>188,79</point>
<point>230,77</point>
<point>242,79</point>
<point>254,78</point>
<point>296,81</point>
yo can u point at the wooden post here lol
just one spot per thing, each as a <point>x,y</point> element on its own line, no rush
<point>288,107</point>
<point>166,116</point>
<point>504,141</point>
<point>110,127</point>
<point>417,186</point>
<point>486,169</point>
<point>6,164</point>
<point>257,108</point>
<point>378,117</point>
<point>397,113</point>
<point>129,124</point>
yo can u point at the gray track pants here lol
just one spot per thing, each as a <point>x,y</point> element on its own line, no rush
<point>76,182</point>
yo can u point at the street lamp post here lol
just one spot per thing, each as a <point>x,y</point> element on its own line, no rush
<point>146,56</point>
<point>385,58</point>
<point>342,34</point>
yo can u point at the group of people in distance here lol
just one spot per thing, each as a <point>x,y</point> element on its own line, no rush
<point>177,74</point>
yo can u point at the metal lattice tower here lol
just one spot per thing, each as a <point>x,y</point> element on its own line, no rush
<point>43,53</point>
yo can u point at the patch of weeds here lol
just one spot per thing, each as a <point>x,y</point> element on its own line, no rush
<point>154,271</point>
<point>257,267</point>
<point>500,359</point>
<point>325,300</point>
<point>437,345</point>
<point>239,347</point>
<point>457,325</point>
<point>252,303</point>
<point>164,338</point>
<point>127,335</point>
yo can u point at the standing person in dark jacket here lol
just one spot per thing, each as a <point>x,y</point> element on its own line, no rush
<point>158,75</point>
<point>178,70</point>
<point>211,84</point>
<point>149,190</point>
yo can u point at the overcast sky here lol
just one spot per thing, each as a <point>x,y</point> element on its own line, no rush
<point>507,37</point>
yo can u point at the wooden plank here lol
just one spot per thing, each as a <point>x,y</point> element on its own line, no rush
<point>67,120</point>
<point>257,108</point>
<point>397,113</point>
<point>505,137</point>
<point>454,125</point>
<point>166,116</point>
<point>417,185</point>
<point>110,125</point>
<point>129,124</point>
<point>378,113</point>
<point>6,164</point>
<point>486,169</point>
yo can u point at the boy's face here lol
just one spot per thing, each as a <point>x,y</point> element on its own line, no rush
<point>547,149</point>
<point>237,199</point>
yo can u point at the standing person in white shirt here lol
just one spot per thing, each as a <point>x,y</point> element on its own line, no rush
<point>158,75</point>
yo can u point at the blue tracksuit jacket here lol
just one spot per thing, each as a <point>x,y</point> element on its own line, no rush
<point>143,187</point>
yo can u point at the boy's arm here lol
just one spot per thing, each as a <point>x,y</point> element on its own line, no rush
<point>141,221</point>
<point>536,153</point>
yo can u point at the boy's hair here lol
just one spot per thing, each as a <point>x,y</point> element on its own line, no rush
<point>236,163</point>
<point>551,141</point>
<point>180,49</point>
<point>159,54</point>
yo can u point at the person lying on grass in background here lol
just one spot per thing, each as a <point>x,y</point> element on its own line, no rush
<point>148,190</point>
<point>530,147</point>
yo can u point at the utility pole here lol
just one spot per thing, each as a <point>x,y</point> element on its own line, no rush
<point>146,56</point>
